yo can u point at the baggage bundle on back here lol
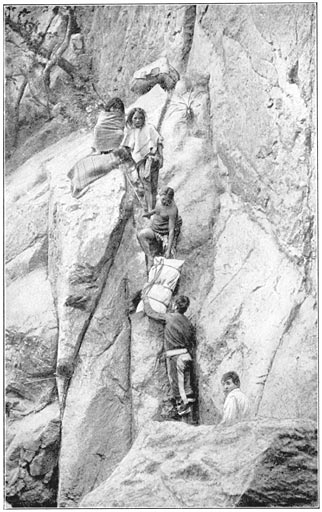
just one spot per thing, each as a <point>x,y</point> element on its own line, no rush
<point>89,169</point>
<point>163,278</point>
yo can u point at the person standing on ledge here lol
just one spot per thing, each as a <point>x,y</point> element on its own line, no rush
<point>146,146</point>
<point>236,407</point>
<point>178,345</point>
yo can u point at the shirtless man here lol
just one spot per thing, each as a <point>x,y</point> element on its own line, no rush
<point>165,216</point>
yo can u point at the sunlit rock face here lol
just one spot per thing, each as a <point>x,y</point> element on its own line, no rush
<point>261,91</point>
<point>239,146</point>
<point>32,453</point>
<point>174,465</point>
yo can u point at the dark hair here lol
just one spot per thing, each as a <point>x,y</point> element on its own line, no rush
<point>116,103</point>
<point>123,153</point>
<point>167,191</point>
<point>233,376</point>
<point>182,303</point>
<point>131,115</point>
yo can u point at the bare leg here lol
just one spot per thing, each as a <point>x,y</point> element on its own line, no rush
<point>144,237</point>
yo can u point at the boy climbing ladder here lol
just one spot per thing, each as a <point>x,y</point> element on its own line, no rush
<point>178,345</point>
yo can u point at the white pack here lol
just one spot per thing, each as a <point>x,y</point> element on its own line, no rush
<point>163,278</point>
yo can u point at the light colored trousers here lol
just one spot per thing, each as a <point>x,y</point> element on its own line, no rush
<point>179,374</point>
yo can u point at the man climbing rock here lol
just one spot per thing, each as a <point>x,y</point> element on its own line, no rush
<point>165,225</point>
<point>178,347</point>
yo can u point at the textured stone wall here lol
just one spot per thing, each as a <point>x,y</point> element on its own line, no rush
<point>239,148</point>
<point>261,87</point>
<point>123,39</point>
<point>173,465</point>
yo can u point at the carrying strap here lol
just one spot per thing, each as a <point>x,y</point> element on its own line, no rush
<point>153,281</point>
<point>132,186</point>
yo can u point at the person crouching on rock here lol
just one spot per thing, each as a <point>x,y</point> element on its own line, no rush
<point>146,146</point>
<point>236,407</point>
<point>109,129</point>
<point>178,345</point>
<point>165,224</point>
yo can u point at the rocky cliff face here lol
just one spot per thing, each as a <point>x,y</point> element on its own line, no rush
<point>240,152</point>
<point>173,465</point>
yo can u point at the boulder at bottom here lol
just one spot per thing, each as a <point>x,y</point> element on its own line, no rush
<point>32,459</point>
<point>175,465</point>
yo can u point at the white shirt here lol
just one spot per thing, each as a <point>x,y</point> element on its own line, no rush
<point>236,407</point>
<point>141,141</point>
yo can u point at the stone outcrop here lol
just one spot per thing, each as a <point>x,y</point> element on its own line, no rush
<point>84,235</point>
<point>31,344</point>
<point>103,415</point>
<point>32,458</point>
<point>239,143</point>
<point>172,465</point>
<point>127,38</point>
<point>31,323</point>
<point>158,72</point>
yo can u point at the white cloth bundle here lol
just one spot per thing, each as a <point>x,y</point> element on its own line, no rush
<point>108,131</point>
<point>163,278</point>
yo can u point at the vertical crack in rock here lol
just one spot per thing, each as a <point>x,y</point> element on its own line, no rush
<point>292,316</point>
<point>293,73</point>
<point>104,268</point>
<point>97,430</point>
<point>188,31</point>
<point>209,123</point>
<point>310,163</point>
<point>127,301</point>
<point>164,109</point>
<point>234,275</point>
<point>202,12</point>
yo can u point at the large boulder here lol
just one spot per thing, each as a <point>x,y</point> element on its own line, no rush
<point>27,193</point>
<point>174,465</point>
<point>84,235</point>
<point>31,344</point>
<point>32,458</point>
<point>158,72</point>
<point>97,430</point>
<point>31,322</point>
<point>150,388</point>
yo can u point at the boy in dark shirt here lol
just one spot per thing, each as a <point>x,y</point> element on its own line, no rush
<point>178,346</point>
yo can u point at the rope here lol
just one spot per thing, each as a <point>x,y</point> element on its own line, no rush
<point>130,182</point>
<point>157,300</point>
<point>157,274</point>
